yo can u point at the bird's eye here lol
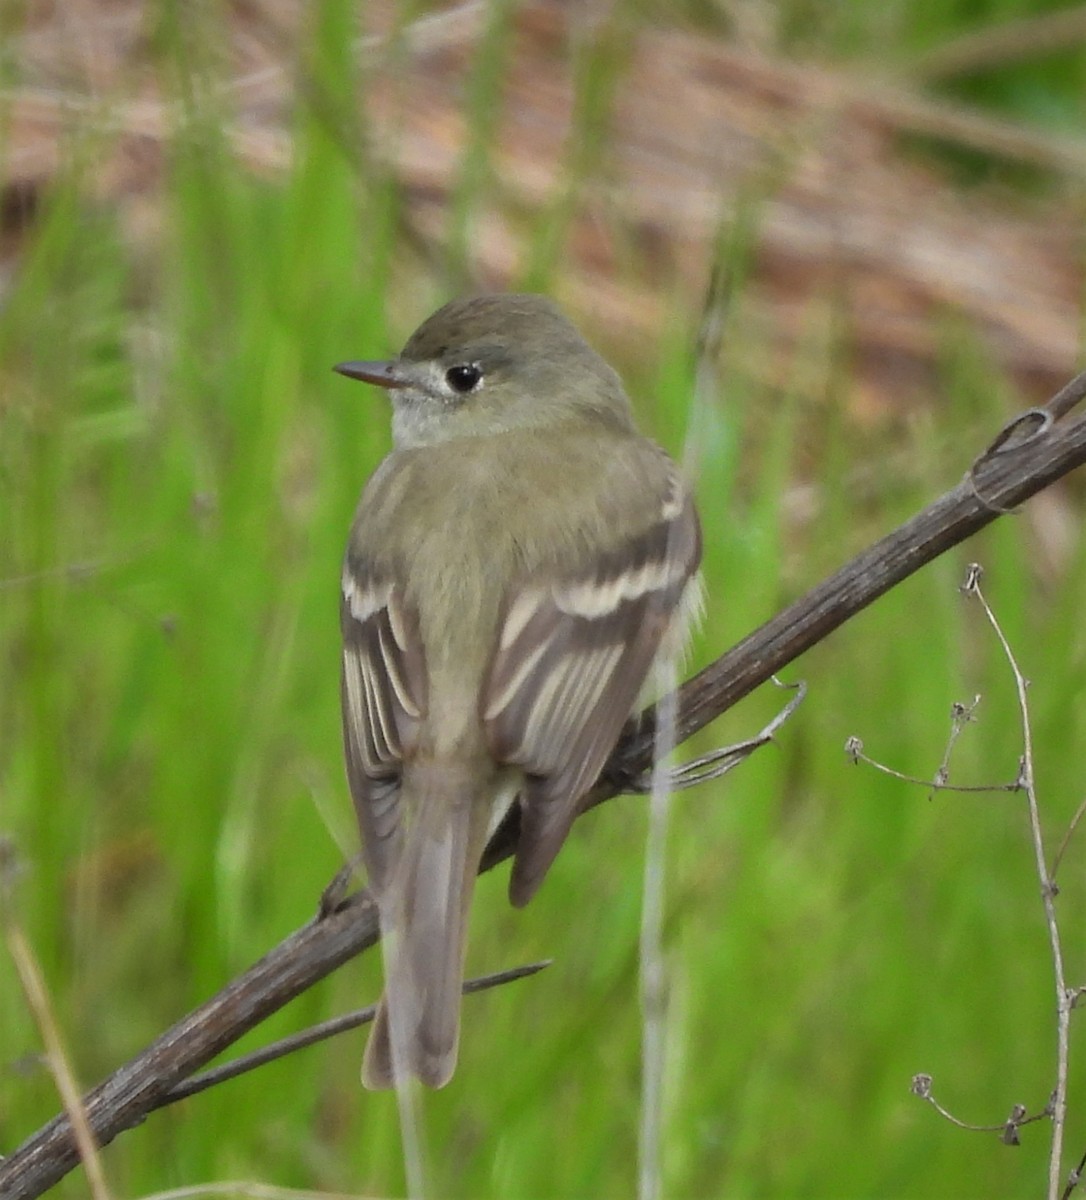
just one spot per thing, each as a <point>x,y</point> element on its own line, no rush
<point>463,378</point>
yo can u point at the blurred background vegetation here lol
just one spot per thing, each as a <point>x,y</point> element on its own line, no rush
<point>202,208</point>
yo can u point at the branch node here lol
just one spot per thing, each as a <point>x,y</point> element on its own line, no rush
<point>1002,444</point>
<point>1021,780</point>
<point>1009,1136</point>
<point>1005,443</point>
<point>973,575</point>
<point>962,713</point>
<point>335,894</point>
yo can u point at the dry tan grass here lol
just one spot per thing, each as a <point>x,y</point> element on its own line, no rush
<point>846,222</point>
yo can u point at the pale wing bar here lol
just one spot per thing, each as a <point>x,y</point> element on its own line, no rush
<point>571,658</point>
<point>383,693</point>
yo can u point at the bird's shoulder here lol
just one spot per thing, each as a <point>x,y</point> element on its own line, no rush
<point>585,481</point>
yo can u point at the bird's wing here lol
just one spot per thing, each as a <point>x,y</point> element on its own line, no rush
<point>383,693</point>
<point>571,657</point>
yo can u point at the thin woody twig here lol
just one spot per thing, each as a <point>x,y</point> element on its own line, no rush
<point>321,1033</point>
<point>719,762</point>
<point>1004,480</point>
<point>1064,998</point>
<point>1074,1178</point>
<point>961,715</point>
<point>1008,1129</point>
<point>1080,812</point>
<point>854,748</point>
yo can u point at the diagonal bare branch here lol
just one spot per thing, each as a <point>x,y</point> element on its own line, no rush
<point>1033,451</point>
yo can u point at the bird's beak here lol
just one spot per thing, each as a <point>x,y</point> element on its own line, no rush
<point>384,374</point>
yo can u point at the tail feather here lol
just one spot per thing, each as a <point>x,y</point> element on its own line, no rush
<point>423,906</point>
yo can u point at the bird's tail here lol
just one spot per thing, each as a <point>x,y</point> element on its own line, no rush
<point>423,904</point>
